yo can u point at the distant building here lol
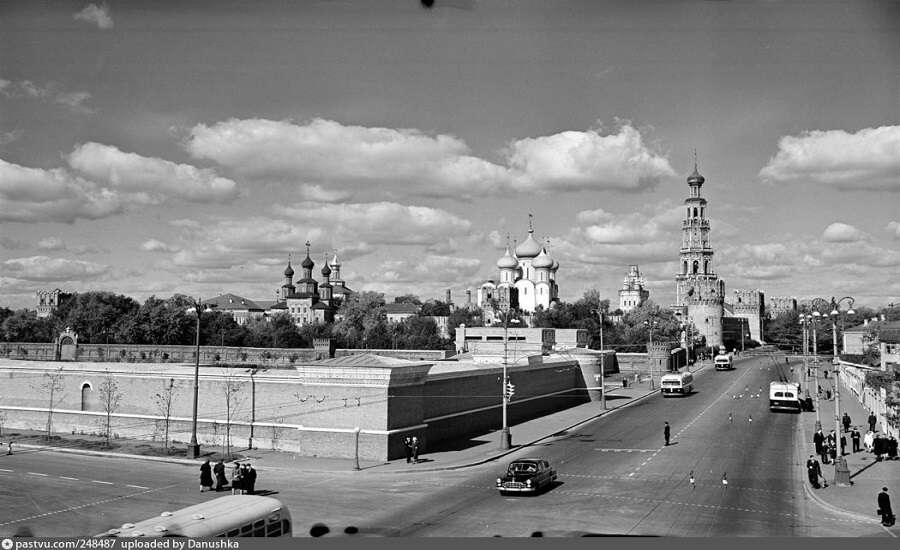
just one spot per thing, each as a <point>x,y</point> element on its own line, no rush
<point>750,305</point>
<point>778,305</point>
<point>241,309</point>
<point>527,280</point>
<point>308,301</point>
<point>48,301</point>
<point>396,313</point>
<point>632,294</point>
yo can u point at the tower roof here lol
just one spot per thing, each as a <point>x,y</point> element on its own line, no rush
<point>307,261</point>
<point>289,271</point>
<point>695,178</point>
<point>507,261</point>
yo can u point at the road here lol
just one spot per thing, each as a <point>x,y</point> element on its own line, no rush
<point>616,477</point>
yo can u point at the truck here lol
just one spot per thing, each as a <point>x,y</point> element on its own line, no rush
<point>784,396</point>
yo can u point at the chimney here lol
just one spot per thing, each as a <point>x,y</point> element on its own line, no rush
<point>468,296</point>
<point>449,301</point>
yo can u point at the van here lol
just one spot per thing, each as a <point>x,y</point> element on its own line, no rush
<point>724,361</point>
<point>676,383</point>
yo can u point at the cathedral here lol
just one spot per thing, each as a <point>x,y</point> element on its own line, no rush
<point>527,280</point>
<point>310,301</point>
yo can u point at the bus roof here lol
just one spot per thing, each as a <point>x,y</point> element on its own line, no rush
<point>206,519</point>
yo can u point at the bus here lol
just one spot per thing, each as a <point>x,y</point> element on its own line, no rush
<point>784,396</point>
<point>229,516</point>
<point>676,383</point>
<point>724,361</point>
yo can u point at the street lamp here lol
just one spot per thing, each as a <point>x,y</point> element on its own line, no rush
<point>193,446</point>
<point>841,471</point>
<point>602,364</point>
<point>813,319</point>
<point>505,436</point>
<point>651,323</point>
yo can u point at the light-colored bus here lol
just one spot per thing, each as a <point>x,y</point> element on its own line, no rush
<point>676,383</point>
<point>229,516</point>
<point>784,396</point>
<point>724,361</point>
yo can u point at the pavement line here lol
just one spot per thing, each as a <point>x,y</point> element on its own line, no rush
<point>625,450</point>
<point>137,486</point>
<point>69,478</point>
<point>103,482</point>
<point>37,474</point>
<point>5,470</point>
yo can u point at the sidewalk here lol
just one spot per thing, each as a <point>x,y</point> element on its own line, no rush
<point>867,476</point>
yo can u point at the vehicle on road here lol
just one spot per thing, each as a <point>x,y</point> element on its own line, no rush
<point>784,396</point>
<point>229,516</point>
<point>676,383</point>
<point>527,475</point>
<point>724,361</point>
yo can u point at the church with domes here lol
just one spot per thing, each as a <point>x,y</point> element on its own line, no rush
<point>527,280</point>
<point>309,301</point>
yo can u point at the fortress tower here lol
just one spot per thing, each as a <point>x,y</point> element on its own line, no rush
<point>699,294</point>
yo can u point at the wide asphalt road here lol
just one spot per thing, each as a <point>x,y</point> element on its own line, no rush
<point>616,477</point>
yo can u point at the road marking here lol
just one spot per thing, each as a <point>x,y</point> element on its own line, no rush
<point>5,470</point>
<point>103,482</point>
<point>625,450</point>
<point>137,486</point>
<point>37,474</point>
<point>69,478</point>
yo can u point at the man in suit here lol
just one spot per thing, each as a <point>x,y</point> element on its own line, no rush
<point>667,432</point>
<point>854,437</point>
<point>884,508</point>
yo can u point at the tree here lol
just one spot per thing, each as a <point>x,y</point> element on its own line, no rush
<point>231,389</point>
<point>416,333</point>
<point>110,398</point>
<point>435,308</point>
<point>360,314</point>
<point>94,314</point>
<point>24,326</point>
<point>408,299</point>
<point>785,330</point>
<point>164,400</point>
<point>52,386</point>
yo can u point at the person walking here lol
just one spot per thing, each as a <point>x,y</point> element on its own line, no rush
<point>692,480</point>
<point>843,444</point>
<point>892,448</point>
<point>219,472</point>
<point>724,480</point>
<point>813,471</point>
<point>884,508</point>
<point>206,479</point>
<point>667,431</point>
<point>415,449</point>
<point>250,478</point>
<point>237,480</point>
<point>872,421</point>
<point>819,440</point>
<point>407,442</point>
<point>869,441</point>
<point>845,420</point>
<point>854,437</point>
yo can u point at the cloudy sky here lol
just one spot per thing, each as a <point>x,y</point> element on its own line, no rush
<point>161,147</point>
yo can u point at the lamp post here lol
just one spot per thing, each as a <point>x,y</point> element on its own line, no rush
<point>841,471</point>
<point>651,323</point>
<point>813,319</point>
<point>505,436</point>
<point>193,446</point>
<point>602,364</point>
<point>803,347</point>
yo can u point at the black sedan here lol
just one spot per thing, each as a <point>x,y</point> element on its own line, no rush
<point>526,475</point>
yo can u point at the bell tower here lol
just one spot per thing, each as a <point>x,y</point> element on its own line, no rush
<point>699,294</point>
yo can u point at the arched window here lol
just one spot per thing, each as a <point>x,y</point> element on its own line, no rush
<point>705,266</point>
<point>696,266</point>
<point>684,271</point>
<point>86,394</point>
<point>695,211</point>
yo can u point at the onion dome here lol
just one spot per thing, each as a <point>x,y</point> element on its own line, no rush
<point>289,272</point>
<point>543,261</point>
<point>307,263</point>
<point>695,178</point>
<point>326,271</point>
<point>507,261</point>
<point>529,247</point>
<point>555,265</point>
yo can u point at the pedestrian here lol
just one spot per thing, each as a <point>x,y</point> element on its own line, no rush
<point>819,440</point>
<point>667,432</point>
<point>884,508</point>
<point>250,478</point>
<point>692,480</point>
<point>892,448</point>
<point>826,373</point>
<point>9,447</point>
<point>854,437</point>
<point>813,471</point>
<point>415,449</point>
<point>206,479</point>
<point>786,360</point>
<point>725,480</point>
<point>237,480</point>
<point>872,421</point>
<point>820,389</point>
<point>845,420</point>
<point>730,418</point>
<point>750,418</point>
<point>407,442</point>
<point>828,394</point>
<point>843,444</point>
<point>219,471</point>
<point>878,447</point>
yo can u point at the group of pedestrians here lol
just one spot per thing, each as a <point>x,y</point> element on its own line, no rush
<point>826,445</point>
<point>412,449</point>
<point>243,478</point>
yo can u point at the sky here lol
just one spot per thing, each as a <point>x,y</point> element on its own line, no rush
<point>153,148</point>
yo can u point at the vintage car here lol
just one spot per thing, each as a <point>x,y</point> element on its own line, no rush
<point>526,475</point>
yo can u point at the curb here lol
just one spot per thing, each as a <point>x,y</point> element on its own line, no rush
<point>107,454</point>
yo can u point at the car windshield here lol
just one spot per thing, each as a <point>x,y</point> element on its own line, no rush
<point>522,467</point>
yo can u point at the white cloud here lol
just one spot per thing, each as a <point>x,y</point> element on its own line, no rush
<point>866,160</point>
<point>9,137</point>
<point>839,232</point>
<point>49,92</point>
<point>380,222</point>
<point>154,245</point>
<point>317,193</point>
<point>322,152</point>
<point>150,180</point>
<point>575,160</point>
<point>34,194</point>
<point>43,268</point>
<point>97,15</point>
<point>894,227</point>
<point>57,244</point>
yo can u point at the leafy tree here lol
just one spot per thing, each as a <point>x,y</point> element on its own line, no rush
<point>220,328</point>
<point>435,308</point>
<point>417,333</point>
<point>93,314</point>
<point>408,299</point>
<point>24,326</point>
<point>360,316</point>
<point>785,330</point>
